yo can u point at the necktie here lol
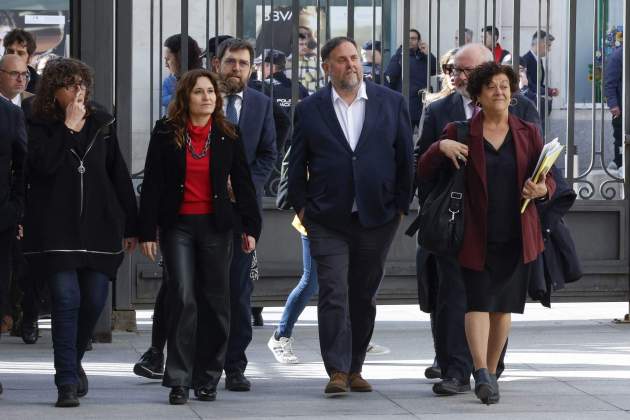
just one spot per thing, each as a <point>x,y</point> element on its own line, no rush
<point>230,110</point>
<point>473,109</point>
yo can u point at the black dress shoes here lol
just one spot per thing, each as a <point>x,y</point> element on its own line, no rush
<point>178,395</point>
<point>67,396</point>
<point>151,364</point>
<point>30,332</point>
<point>484,387</point>
<point>451,386</point>
<point>433,371</point>
<point>236,381</point>
<point>206,393</point>
<point>82,388</point>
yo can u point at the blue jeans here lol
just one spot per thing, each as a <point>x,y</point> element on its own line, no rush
<point>78,298</point>
<point>302,293</point>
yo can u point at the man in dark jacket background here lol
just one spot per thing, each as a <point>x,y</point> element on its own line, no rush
<point>418,62</point>
<point>12,161</point>
<point>613,91</point>
<point>21,43</point>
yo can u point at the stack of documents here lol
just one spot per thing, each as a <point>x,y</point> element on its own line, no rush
<point>547,158</point>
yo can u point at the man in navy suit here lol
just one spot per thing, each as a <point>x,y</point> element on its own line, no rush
<point>252,111</point>
<point>12,160</point>
<point>541,44</point>
<point>441,274</point>
<point>350,182</point>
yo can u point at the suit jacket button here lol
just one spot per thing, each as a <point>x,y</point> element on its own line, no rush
<point>354,158</point>
<point>216,196</point>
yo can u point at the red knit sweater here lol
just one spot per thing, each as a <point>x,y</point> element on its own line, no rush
<point>197,186</point>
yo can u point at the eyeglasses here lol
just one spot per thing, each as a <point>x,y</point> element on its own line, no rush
<point>232,62</point>
<point>16,74</point>
<point>75,85</point>
<point>459,70</point>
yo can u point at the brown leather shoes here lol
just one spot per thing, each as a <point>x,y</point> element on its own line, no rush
<point>337,385</point>
<point>358,384</point>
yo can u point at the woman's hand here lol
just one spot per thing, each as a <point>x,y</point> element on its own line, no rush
<point>248,244</point>
<point>149,249</point>
<point>75,111</point>
<point>533,190</point>
<point>455,151</point>
<point>129,244</point>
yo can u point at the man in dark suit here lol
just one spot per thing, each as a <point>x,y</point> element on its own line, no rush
<point>541,44</point>
<point>613,85</point>
<point>442,273</point>
<point>21,43</point>
<point>350,182</point>
<point>252,112</point>
<point>12,162</point>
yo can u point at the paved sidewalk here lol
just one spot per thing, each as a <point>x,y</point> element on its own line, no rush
<point>570,362</point>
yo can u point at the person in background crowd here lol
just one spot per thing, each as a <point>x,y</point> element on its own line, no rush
<point>613,90</point>
<point>81,213</point>
<point>497,251</point>
<point>418,65</point>
<point>12,169</point>
<point>14,78</point>
<point>350,182</point>
<point>446,77</point>
<point>439,275</point>
<point>21,43</point>
<point>252,112</point>
<point>468,37</point>
<point>491,41</point>
<point>172,57</point>
<point>371,60</point>
<point>541,44</point>
<point>192,208</point>
<point>309,75</point>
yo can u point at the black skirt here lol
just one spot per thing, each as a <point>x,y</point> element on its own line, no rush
<point>502,285</point>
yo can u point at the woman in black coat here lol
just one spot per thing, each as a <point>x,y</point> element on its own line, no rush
<point>193,154</point>
<point>80,213</point>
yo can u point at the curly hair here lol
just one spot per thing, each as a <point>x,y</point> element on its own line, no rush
<point>482,75</point>
<point>179,110</point>
<point>174,44</point>
<point>61,73</point>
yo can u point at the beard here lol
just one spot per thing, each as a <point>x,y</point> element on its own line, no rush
<point>233,84</point>
<point>350,82</point>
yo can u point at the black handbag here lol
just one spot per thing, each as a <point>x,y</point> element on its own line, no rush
<point>440,223</point>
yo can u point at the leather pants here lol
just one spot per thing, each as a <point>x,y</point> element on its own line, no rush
<point>197,260</point>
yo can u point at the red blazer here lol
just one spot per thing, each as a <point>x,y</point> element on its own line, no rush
<point>528,145</point>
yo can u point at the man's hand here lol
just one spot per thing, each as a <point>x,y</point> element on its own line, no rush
<point>615,111</point>
<point>149,249</point>
<point>424,48</point>
<point>301,216</point>
<point>129,244</point>
<point>249,244</point>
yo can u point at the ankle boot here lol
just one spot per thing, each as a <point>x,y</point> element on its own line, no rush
<point>67,396</point>
<point>496,396</point>
<point>483,385</point>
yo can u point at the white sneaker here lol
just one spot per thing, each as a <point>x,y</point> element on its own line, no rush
<point>375,349</point>
<point>282,349</point>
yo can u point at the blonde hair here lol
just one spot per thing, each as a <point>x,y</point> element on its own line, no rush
<point>447,86</point>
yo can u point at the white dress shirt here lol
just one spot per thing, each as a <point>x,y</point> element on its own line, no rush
<point>238,104</point>
<point>469,107</point>
<point>351,117</point>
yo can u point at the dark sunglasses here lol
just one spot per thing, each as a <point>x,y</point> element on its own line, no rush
<point>448,68</point>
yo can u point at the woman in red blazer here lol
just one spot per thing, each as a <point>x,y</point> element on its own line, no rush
<point>499,243</point>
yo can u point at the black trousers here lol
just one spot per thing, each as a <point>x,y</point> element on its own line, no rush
<point>241,288</point>
<point>617,134</point>
<point>197,259</point>
<point>350,266</point>
<point>453,354</point>
<point>6,246</point>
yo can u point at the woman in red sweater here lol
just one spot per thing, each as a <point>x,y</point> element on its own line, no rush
<point>192,154</point>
